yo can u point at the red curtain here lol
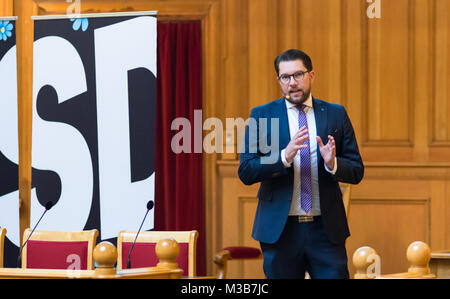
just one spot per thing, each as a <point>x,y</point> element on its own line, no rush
<point>179,203</point>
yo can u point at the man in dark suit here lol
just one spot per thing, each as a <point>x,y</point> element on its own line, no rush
<point>299,148</point>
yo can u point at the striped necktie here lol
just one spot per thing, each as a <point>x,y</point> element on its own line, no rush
<point>305,166</point>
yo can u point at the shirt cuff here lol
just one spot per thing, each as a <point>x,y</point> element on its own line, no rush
<point>333,171</point>
<point>283,159</point>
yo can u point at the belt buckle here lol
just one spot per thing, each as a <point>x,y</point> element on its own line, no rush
<point>305,218</point>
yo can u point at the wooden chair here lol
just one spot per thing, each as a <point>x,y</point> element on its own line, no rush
<point>105,257</point>
<point>143,254</point>
<point>418,254</point>
<point>2,245</point>
<point>241,253</point>
<point>59,249</point>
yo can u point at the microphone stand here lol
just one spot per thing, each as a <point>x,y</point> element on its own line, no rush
<point>21,248</point>
<point>134,242</point>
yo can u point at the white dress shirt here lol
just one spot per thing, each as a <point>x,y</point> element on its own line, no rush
<point>292,112</point>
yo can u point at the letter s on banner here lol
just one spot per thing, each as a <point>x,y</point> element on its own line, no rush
<point>9,203</point>
<point>59,146</point>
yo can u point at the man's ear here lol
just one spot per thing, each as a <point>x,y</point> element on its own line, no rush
<point>312,74</point>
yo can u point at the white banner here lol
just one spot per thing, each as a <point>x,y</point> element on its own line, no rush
<point>94,101</point>
<point>9,140</point>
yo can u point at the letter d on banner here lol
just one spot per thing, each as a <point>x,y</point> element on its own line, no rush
<point>121,199</point>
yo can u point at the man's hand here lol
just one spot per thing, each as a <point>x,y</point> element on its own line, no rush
<point>328,151</point>
<point>296,143</point>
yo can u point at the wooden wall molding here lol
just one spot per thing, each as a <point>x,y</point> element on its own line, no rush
<point>373,170</point>
<point>418,171</point>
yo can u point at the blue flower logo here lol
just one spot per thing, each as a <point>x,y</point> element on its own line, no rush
<point>77,23</point>
<point>5,30</point>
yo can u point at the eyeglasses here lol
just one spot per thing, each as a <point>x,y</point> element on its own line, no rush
<point>298,76</point>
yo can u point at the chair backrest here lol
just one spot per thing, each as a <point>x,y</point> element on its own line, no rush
<point>59,249</point>
<point>2,245</point>
<point>143,254</point>
<point>346,192</point>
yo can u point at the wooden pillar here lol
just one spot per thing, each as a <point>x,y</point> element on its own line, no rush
<point>24,9</point>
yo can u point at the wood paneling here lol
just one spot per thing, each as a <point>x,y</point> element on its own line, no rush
<point>239,206</point>
<point>320,34</point>
<point>262,19</point>
<point>6,8</point>
<point>389,224</point>
<point>392,74</point>
<point>441,106</point>
<point>390,68</point>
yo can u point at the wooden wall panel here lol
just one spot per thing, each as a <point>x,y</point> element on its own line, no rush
<point>441,111</point>
<point>236,58</point>
<point>385,72</point>
<point>389,218</point>
<point>320,36</point>
<point>262,20</point>
<point>390,233</point>
<point>389,66</point>
<point>239,206</point>
<point>247,209</point>
<point>353,92</point>
<point>288,22</point>
<point>6,8</point>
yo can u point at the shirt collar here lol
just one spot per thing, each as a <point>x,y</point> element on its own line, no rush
<point>308,102</point>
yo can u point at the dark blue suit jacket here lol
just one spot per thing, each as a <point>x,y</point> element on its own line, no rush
<point>275,192</point>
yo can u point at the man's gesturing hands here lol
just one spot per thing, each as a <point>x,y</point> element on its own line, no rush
<point>296,143</point>
<point>327,151</point>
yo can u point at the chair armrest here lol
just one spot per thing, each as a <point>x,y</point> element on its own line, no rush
<point>220,260</point>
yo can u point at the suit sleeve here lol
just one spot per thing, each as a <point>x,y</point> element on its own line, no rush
<point>350,168</point>
<point>260,157</point>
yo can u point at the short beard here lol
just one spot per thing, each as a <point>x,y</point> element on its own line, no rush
<point>303,99</point>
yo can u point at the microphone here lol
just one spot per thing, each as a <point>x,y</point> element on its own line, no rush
<point>48,206</point>
<point>150,205</point>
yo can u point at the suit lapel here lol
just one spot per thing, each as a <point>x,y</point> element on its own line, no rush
<point>285,136</point>
<point>320,113</point>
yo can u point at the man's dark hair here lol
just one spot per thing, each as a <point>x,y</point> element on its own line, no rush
<point>291,55</point>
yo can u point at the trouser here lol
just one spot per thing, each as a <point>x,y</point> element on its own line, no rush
<point>305,247</point>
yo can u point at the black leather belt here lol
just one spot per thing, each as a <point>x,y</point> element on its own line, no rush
<point>303,218</point>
